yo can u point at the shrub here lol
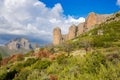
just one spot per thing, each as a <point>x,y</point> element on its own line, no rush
<point>3,73</point>
<point>41,64</point>
<point>67,47</point>
<point>23,74</point>
<point>38,75</point>
<point>117,15</point>
<point>61,59</point>
<point>53,77</point>
<point>10,75</point>
<point>93,62</point>
<point>114,58</point>
<point>30,61</point>
<point>29,53</point>
<point>17,67</point>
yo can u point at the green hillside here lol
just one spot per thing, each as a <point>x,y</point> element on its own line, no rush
<point>5,52</point>
<point>94,55</point>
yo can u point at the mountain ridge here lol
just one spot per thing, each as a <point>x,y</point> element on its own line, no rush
<point>74,31</point>
<point>16,46</point>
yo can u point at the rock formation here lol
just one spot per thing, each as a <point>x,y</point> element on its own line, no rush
<point>57,36</point>
<point>20,43</point>
<point>94,19</point>
<point>80,29</point>
<point>91,20</point>
<point>64,37</point>
<point>72,32</point>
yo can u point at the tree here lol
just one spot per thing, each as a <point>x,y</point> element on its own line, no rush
<point>67,47</point>
<point>86,43</point>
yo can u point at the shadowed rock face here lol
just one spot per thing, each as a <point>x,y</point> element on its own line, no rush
<point>57,36</point>
<point>21,43</point>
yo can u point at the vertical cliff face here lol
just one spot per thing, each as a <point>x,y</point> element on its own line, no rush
<point>91,20</point>
<point>80,29</point>
<point>72,32</point>
<point>57,36</point>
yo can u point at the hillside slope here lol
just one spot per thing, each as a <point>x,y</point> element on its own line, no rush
<point>101,61</point>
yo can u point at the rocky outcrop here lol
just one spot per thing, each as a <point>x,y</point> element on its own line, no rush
<point>64,37</point>
<point>57,36</point>
<point>94,19</point>
<point>72,32</point>
<point>80,29</point>
<point>20,43</point>
<point>91,20</point>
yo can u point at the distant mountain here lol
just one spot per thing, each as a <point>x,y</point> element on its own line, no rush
<point>18,45</point>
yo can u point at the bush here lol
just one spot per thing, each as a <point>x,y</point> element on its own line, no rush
<point>93,62</point>
<point>17,67</point>
<point>41,64</point>
<point>61,59</point>
<point>29,53</point>
<point>113,57</point>
<point>30,61</point>
<point>117,15</point>
<point>38,75</point>
<point>23,74</point>
<point>3,73</point>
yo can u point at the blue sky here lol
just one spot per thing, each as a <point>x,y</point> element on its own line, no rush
<point>36,19</point>
<point>83,7</point>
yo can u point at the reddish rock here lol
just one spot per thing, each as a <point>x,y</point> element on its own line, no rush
<point>72,32</point>
<point>57,36</point>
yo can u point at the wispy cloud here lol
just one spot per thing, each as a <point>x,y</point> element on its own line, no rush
<point>32,18</point>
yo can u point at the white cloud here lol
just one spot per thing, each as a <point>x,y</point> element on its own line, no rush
<point>23,17</point>
<point>118,2</point>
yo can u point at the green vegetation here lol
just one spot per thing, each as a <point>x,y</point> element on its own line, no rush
<point>101,60</point>
<point>117,15</point>
<point>94,66</point>
<point>41,64</point>
<point>0,57</point>
<point>103,36</point>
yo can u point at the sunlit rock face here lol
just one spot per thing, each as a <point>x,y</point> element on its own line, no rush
<point>74,31</point>
<point>57,36</point>
<point>93,19</point>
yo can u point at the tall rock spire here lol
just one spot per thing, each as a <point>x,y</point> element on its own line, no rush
<point>90,21</point>
<point>72,32</point>
<point>57,36</point>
